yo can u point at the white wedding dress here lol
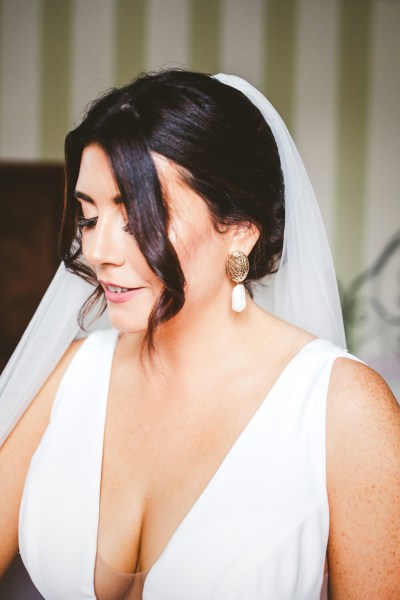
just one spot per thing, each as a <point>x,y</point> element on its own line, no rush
<point>258,531</point>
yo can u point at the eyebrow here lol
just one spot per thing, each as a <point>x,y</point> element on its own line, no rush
<point>81,196</point>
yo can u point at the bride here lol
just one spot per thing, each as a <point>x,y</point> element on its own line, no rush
<point>217,441</point>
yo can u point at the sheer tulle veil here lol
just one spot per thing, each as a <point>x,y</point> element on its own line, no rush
<point>303,291</point>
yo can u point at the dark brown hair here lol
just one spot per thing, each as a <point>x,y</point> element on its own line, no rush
<point>227,155</point>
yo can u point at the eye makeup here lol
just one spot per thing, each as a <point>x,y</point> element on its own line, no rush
<point>82,222</point>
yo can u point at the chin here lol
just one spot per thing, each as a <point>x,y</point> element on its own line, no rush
<point>126,322</point>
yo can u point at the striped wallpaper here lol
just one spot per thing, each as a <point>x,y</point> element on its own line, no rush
<point>331,67</point>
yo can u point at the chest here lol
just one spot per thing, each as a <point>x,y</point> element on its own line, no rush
<point>243,520</point>
<point>253,524</point>
<point>158,458</point>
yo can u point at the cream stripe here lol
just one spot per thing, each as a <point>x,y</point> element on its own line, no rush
<point>315,100</point>
<point>19,103</point>
<point>92,51</point>
<point>383,183</point>
<point>167,34</point>
<point>242,39</point>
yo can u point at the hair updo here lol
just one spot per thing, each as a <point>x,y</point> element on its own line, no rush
<point>227,154</point>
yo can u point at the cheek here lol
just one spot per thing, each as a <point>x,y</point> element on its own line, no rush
<point>202,258</point>
<point>200,248</point>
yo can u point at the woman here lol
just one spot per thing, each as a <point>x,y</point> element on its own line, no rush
<point>203,447</point>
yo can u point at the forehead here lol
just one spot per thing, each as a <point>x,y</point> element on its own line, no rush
<point>180,197</point>
<point>95,173</point>
<point>191,227</point>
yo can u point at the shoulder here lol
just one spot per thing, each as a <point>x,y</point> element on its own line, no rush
<point>29,430</point>
<point>17,450</point>
<point>32,424</point>
<point>360,404</point>
<point>363,428</point>
<point>363,466</point>
<point>58,373</point>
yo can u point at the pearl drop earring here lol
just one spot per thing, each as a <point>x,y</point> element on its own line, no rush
<point>237,267</point>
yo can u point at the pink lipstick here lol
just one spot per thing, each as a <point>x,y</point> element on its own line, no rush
<point>117,294</point>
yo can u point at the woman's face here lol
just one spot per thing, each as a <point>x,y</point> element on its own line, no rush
<point>130,286</point>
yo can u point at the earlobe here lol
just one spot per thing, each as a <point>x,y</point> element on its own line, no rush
<point>244,237</point>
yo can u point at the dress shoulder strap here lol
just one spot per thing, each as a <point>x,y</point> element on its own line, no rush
<point>65,473</point>
<point>92,359</point>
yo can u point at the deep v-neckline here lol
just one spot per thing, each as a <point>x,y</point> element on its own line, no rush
<point>217,473</point>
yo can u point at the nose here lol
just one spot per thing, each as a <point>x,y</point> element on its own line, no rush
<point>103,243</point>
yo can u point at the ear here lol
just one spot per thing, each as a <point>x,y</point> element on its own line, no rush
<point>243,237</point>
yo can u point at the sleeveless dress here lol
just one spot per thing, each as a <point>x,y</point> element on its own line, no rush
<point>259,530</point>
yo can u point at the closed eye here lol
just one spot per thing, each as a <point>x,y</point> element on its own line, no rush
<point>82,222</point>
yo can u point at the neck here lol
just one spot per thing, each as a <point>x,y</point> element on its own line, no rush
<point>211,335</point>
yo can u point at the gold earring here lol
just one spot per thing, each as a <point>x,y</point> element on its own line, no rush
<point>237,267</point>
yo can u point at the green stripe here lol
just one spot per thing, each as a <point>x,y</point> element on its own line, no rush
<point>353,103</point>
<point>55,77</point>
<point>280,45</point>
<point>130,57</point>
<point>205,23</point>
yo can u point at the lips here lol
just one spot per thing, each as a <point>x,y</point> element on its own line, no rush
<point>116,293</point>
<point>117,289</point>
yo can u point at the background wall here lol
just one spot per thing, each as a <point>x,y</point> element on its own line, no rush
<point>331,67</point>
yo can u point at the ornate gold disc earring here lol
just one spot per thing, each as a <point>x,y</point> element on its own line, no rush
<point>237,267</point>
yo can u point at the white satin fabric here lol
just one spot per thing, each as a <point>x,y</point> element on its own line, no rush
<point>259,530</point>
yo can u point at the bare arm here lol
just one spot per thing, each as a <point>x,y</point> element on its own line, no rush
<point>363,470</point>
<point>15,456</point>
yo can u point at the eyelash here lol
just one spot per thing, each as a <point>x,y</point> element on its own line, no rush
<point>82,223</point>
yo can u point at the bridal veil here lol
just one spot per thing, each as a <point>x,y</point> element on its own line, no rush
<point>303,291</point>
